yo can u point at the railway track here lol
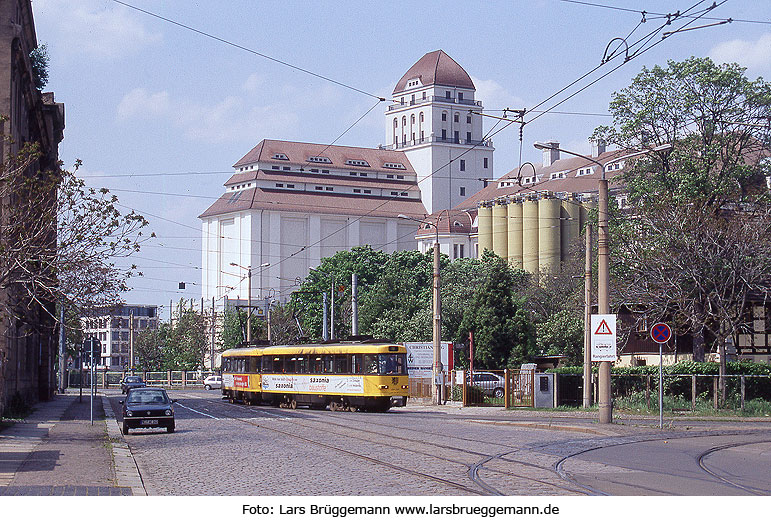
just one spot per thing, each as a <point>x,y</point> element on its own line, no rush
<point>470,469</point>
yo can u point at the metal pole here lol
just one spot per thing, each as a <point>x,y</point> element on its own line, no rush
<point>437,395</point>
<point>588,319</point>
<point>62,353</point>
<point>354,304</point>
<point>332,312</point>
<point>93,368</point>
<point>249,309</point>
<point>131,340</point>
<point>324,324</point>
<point>213,323</point>
<point>661,386</point>
<point>603,297</point>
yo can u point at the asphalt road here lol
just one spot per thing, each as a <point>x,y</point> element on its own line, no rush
<point>226,449</point>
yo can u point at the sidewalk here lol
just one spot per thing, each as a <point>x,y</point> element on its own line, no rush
<point>56,451</point>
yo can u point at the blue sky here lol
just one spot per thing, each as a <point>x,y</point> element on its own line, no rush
<point>152,100</point>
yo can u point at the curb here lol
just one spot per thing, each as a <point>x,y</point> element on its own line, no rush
<point>126,470</point>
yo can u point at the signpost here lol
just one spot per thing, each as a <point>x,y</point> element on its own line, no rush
<point>93,347</point>
<point>661,333</point>
<point>603,337</point>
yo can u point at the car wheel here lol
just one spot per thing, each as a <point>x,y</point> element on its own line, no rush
<point>125,428</point>
<point>498,393</point>
<point>207,387</point>
<point>169,428</point>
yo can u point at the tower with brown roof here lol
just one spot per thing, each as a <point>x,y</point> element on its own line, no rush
<point>436,122</point>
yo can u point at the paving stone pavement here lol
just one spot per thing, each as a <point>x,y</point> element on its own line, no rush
<point>57,451</point>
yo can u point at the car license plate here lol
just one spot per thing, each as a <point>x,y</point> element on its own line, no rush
<point>148,422</point>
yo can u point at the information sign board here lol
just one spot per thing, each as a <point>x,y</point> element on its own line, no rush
<point>603,328</point>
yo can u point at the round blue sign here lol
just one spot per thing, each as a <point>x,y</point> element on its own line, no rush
<point>660,333</point>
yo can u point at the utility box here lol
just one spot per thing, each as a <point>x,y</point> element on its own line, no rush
<point>544,389</point>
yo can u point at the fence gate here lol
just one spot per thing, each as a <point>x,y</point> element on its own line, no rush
<point>484,388</point>
<point>520,386</point>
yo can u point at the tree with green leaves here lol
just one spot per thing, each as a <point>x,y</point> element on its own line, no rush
<point>695,248</point>
<point>234,329</point>
<point>498,318</point>
<point>149,348</point>
<point>187,342</point>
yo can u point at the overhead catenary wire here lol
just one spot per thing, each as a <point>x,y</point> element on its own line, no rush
<point>248,50</point>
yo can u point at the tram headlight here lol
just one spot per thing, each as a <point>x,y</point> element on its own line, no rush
<point>382,386</point>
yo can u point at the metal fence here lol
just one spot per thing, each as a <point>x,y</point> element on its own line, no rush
<point>683,392</point>
<point>111,379</point>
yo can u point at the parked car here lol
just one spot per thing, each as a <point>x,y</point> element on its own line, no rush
<point>131,382</point>
<point>148,407</point>
<point>212,382</point>
<point>490,384</point>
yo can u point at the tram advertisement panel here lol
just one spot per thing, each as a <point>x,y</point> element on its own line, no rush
<point>318,383</point>
<point>239,381</point>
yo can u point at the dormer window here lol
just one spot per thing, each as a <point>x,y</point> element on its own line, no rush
<point>280,156</point>
<point>557,175</point>
<point>391,165</point>
<point>618,165</point>
<point>585,171</point>
<point>356,162</point>
<point>319,159</point>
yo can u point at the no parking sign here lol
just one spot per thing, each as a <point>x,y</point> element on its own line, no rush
<point>661,333</point>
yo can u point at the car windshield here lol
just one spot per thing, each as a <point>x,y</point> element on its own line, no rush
<point>133,379</point>
<point>145,397</point>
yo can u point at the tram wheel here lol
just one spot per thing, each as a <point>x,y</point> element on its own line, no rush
<point>293,404</point>
<point>335,406</point>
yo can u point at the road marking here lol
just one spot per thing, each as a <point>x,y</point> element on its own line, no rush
<point>199,412</point>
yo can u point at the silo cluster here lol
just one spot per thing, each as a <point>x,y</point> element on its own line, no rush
<point>532,231</point>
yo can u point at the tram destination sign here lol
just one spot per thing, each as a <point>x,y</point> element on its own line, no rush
<point>603,328</point>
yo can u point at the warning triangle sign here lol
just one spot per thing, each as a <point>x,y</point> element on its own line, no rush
<point>603,329</point>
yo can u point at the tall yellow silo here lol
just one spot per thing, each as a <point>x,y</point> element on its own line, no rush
<point>530,234</point>
<point>570,225</point>
<point>500,230</point>
<point>549,234</point>
<point>485,228</point>
<point>515,233</point>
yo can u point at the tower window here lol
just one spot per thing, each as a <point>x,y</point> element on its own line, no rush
<point>463,191</point>
<point>448,94</point>
<point>456,118</point>
<point>468,119</point>
<point>444,116</point>
<point>468,137</point>
<point>484,161</point>
<point>444,133</point>
<point>463,165</point>
<point>460,96</point>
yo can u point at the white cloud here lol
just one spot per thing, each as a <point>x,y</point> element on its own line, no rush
<point>90,28</point>
<point>233,118</point>
<point>495,96</point>
<point>754,55</point>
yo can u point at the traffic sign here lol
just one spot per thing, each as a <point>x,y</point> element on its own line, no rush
<point>661,333</point>
<point>603,329</point>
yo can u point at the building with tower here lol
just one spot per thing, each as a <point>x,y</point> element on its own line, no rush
<point>436,121</point>
<point>289,204</point>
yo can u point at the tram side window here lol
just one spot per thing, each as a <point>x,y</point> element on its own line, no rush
<point>267,364</point>
<point>278,364</point>
<point>329,364</point>
<point>356,363</point>
<point>290,364</point>
<point>302,364</point>
<point>369,363</point>
<point>392,364</point>
<point>241,365</point>
<point>254,364</point>
<point>317,365</point>
<point>342,364</point>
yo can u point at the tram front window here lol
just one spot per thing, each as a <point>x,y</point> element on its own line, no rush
<point>392,364</point>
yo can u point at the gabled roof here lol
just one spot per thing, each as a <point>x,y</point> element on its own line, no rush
<point>571,183</point>
<point>297,152</point>
<point>436,67</point>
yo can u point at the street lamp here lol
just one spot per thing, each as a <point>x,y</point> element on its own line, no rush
<point>603,274</point>
<point>249,297</point>
<point>438,384</point>
<point>332,303</point>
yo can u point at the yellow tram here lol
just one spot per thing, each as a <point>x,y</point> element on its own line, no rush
<point>343,376</point>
